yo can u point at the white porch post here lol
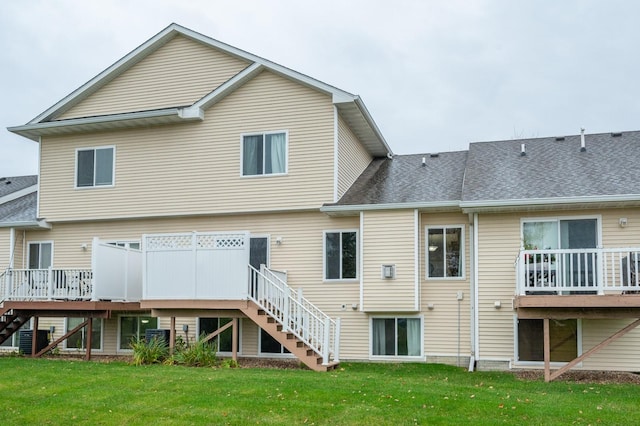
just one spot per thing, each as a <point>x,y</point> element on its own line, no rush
<point>50,283</point>
<point>94,264</point>
<point>600,261</point>
<point>336,342</point>
<point>325,344</point>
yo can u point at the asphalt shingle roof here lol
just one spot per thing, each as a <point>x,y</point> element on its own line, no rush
<point>21,209</point>
<point>404,179</point>
<point>553,168</point>
<point>9,185</point>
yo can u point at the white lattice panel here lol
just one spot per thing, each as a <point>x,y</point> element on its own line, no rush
<point>169,242</point>
<point>206,241</point>
<point>229,242</point>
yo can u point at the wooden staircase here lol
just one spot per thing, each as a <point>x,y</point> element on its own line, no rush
<point>289,340</point>
<point>10,322</point>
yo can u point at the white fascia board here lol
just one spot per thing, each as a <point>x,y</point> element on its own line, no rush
<point>234,51</point>
<point>33,131</point>
<point>471,205</point>
<point>43,224</point>
<point>108,74</point>
<point>17,194</point>
<point>391,206</point>
<point>228,86</point>
<point>365,113</point>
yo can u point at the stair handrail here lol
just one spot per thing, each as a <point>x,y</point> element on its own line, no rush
<point>296,314</point>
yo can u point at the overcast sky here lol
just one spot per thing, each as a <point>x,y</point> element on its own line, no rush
<point>435,75</point>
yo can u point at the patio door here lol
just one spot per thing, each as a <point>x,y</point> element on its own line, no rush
<point>40,258</point>
<point>579,269</point>
<point>40,255</point>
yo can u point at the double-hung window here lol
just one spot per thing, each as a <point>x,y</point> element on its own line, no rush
<point>264,154</point>
<point>95,167</point>
<point>445,252</point>
<point>340,255</point>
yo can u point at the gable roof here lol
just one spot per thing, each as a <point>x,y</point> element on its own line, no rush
<point>350,106</point>
<point>553,170</point>
<point>404,181</point>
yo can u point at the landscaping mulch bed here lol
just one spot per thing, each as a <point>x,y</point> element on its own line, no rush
<point>584,376</point>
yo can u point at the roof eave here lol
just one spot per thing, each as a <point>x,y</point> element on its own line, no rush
<point>355,208</point>
<point>107,122</point>
<point>474,206</point>
<point>27,224</point>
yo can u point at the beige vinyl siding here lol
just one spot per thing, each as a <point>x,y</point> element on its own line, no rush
<point>622,354</point>
<point>389,238</point>
<point>5,248</point>
<point>195,168</point>
<point>177,74</point>
<point>18,251</point>
<point>353,158</point>
<point>441,332</point>
<point>498,246</point>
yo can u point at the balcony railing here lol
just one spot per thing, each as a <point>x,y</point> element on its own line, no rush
<point>46,284</point>
<point>579,271</point>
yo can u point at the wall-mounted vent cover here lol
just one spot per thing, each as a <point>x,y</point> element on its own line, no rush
<point>388,272</point>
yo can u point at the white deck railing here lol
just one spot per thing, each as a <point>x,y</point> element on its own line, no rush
<point>46,284</point>
<point>295,313</point>
<point>578,271</point>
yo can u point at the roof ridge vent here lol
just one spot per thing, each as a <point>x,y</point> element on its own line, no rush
<point>559,138</point>
<point>616,134</point>
<point>583,146</point>
<point>434,155</point>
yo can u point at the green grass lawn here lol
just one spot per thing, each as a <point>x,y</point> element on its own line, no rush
<point>43,391</point>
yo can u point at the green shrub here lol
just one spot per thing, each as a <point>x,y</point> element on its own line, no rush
<point>201,354</point>
<point>152,352</point>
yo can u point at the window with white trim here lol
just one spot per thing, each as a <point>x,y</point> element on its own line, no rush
<point>340,255</point>
<point>396,337</point>
<point>264,154</point>
<point>445,251</point>
<point>95,167</point>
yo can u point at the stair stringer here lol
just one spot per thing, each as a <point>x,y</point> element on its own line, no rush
<point>10,323</point>
<point>290,341</point>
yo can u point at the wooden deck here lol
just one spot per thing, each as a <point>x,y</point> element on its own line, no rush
<point>578,306</point>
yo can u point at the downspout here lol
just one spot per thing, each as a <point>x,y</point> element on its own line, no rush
<point>476,297</point>
<point>361,263</point>
<point>12,246</point>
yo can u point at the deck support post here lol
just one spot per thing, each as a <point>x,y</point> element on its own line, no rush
<point>234,339</point>
<point>547,350</point>
<point>172,336</point>
<point>34,336</point>
<point>87,355</point>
